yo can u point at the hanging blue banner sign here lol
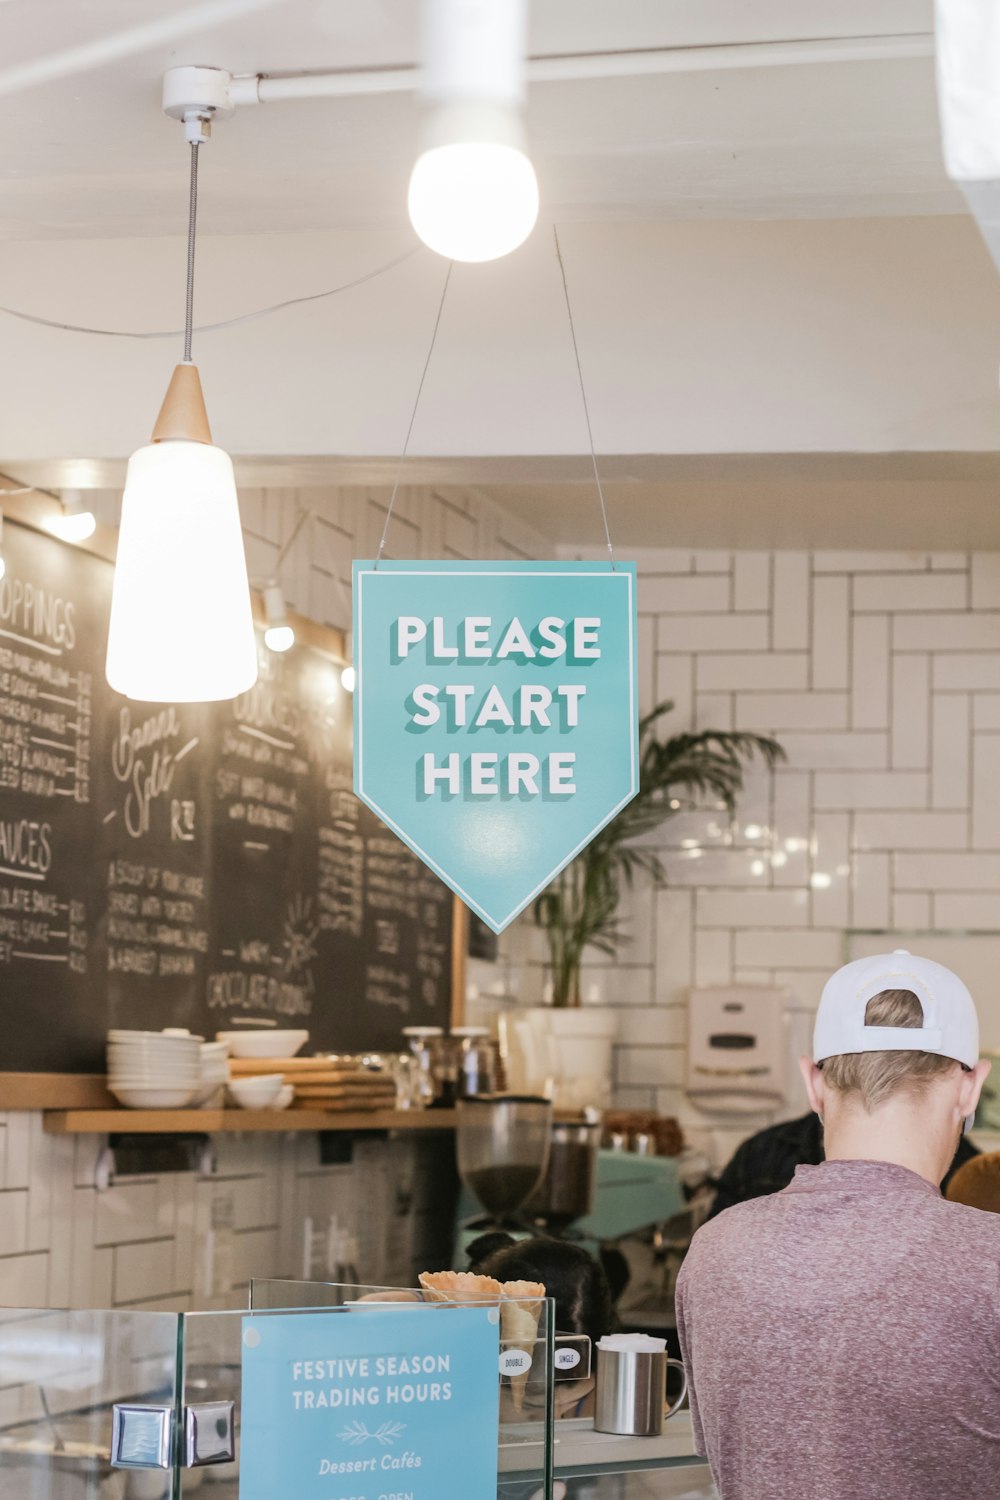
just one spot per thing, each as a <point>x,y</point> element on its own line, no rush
<point>495,716</point>
<point>371,1403</point>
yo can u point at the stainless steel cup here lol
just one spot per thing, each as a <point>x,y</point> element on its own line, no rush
<point>632,1392</point>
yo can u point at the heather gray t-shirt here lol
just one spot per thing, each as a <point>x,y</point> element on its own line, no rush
<point>842,1339</point>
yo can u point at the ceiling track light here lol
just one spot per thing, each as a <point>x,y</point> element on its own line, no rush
<point>74,521</point>
<point>473,193</point>
<point>181,621</point>
<point>278,634</point>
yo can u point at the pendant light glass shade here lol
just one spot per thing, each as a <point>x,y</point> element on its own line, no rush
<point>181,623</point>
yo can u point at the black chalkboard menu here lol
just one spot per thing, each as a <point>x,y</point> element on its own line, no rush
<point>189,865</point>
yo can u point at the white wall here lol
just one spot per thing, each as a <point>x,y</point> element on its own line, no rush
<point>860,335</point>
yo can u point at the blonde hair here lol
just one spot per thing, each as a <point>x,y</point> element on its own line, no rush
<point>876,1076</point>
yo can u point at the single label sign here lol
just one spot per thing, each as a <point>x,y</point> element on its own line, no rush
<point>495,716</point>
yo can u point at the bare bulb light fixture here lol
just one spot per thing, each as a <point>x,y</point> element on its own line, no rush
<point>473,192</point>
<point>181,622</point>
<point>348,676</point>
<point>75,522</point>
<point>278,634</point>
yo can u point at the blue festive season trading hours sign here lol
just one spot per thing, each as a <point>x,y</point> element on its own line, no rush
<point>495,715</point>
<point>378,1402</point>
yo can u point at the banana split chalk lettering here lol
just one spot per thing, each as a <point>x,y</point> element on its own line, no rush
<point>144,757</point>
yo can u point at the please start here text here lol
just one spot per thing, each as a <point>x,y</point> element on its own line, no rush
<point>544,701</point>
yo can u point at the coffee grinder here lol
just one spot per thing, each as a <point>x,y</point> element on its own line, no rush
<point>502,1142</point>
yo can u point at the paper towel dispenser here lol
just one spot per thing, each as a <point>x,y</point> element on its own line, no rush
<point>737,1048</point>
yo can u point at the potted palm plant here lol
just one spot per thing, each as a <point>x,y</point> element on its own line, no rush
<point>580,909</point>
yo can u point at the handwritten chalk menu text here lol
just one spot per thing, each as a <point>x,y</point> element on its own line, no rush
<point>188,865</point>
<point>49,895</point>
<point>496,726</point>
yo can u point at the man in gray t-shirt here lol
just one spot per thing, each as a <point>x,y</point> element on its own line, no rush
<point>842,1337</point>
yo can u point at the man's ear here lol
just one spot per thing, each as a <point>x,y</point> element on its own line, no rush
<point>812,1077</point>
<point>972,1087</point>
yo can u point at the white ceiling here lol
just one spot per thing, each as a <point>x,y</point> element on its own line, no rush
<point>763,260</point>
<point>91,155</point>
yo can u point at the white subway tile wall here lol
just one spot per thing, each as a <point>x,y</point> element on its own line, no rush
<point>881,677</point>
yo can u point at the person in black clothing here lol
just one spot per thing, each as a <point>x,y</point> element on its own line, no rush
<point>766,1162</point>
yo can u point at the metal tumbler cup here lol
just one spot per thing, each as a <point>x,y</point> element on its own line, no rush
<point>632,1392</point>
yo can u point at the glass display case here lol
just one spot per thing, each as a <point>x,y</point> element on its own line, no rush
<point>131,1405</point>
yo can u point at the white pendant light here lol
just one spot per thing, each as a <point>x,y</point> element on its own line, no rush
<point>473,193</point>
<point>181,622</point>
<point>278,634</point>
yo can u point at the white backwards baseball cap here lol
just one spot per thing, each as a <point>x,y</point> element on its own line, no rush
<point>951,1026</point>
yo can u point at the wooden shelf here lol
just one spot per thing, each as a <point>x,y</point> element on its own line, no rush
<point>217,1121</point>
<point>30,1091</point>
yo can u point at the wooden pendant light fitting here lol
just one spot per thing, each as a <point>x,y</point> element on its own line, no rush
<point>183,415</point>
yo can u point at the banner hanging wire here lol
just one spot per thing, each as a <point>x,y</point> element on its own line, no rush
<point>413,416</point>
<point>583,397</point>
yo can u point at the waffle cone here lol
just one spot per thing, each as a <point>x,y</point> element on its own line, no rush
<point>520,1311</point>
<point>459,1286</point>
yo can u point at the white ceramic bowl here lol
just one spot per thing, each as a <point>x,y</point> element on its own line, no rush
<point>263,1043</point>
<point>172,1034</point>
<point>285,1096</point>
<point>154,1086</point>
<point>256,1093</point>
<point>151,1098</point>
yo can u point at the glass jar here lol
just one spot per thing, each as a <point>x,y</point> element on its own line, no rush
<point>477,1061</point>
<point>423,1041</point>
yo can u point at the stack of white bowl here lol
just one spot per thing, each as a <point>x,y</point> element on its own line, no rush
<point>214,1074</point>
<point>154,1069</point>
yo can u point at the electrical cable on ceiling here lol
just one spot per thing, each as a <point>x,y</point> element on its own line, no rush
<point>262,312</point>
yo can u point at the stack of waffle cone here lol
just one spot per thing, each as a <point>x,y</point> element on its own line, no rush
<point>520,1311</point>
<point>459,1286</point>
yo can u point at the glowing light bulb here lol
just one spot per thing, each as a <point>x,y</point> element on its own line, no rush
<point>75,522</point>
<point>348,678</point>
<point>278,634</point>
<point>279,637</point>
<point>473,200</point>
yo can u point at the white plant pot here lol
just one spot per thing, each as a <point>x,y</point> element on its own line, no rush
<point>572,1054</point>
